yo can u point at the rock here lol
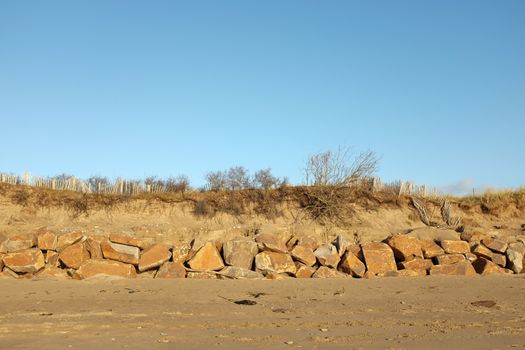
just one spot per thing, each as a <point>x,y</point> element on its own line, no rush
<point>153,257</point>
<point>495,245</point>
<point>149,274</point>
<point>235,272</point>
<point>351,265</point>
<point>450,259</point>
<point>341,244</point>
<point>25,261</point>
<point>473,236</point>
<point>207,259</point>
<point>240,253</point>
<point>455,247</point>
<point>463,268</point>
<point>405,247</point>
<point>207,275</point>
<point>292,242</point>
<point>120,252</point>
<point>19,242</point>
<point>128,240</point>
<point>481,251</point>
<point>304,255</point>
<point>326,272</point>
<point>8,273</point>
<point>471,257</point>
<point>271,242</point>
<point>327,255</point>
<point>485,267</point>
<point>276,276</point>
<point>417,264</point>
<point>304,271</point>
<point>430,249</point>
<point>94,248</point>
<point>171,270</point>
<point>47,240</point>
<point>309,242</point>
<point>499,259</point>
<point>515,256</point>
<point>356,250</point>
<point>52,272</point>
<point>181,252</point>
<point>434,234</point>
<point>74,255</point>
<point>68,239</point>
<point>379,258</point>
<point>52,258</point>
<point>268,261</point>
<point>91,268</point>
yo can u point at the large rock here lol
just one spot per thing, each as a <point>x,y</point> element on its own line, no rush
<point>128,240</point>
<point>94,248</point>
<point>417,264</point>
<point>351,265</point>
<point>52,272</point>
<point>52,258</point>
<point>379,258</point>
<point>235,272</point>
<point>434,234</point>
<point>153,257</point>
<point>499,259</point>
<point>47,240</point>
<point>207,259</point>
<point>19,242</point>
<point>463,268</point>
<point>268,261</point>
<point>495,245</point>
<point>327,255</point>
<point>326,272</point>
<point>181,252</point>
<point>120,252</point>
<point>25,261</point>
<point>481,251</point>
<point>486,267</point>
<point>171,270</point>
<point>473,236</point>
<point>271,242</point>
<point>239,252</point>
<point>515,256</point>
<point>304,255</point>
<point>449,259</point>
<point>304,271</point>
<point>74,255</point>
<point>455,247</point>
<point>67,239</point>
<point>91,268</point>
<point>405,247</point>
<point>309,242</point>
<point>430,249</point>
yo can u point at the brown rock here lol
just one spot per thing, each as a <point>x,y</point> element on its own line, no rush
<point>153,257</point>
<point>74,255</point>
<point>405,247</point>
<point>450,259</point>
<point>473,236</point>
<point>128,240</point>
<point>485,267</point>
<point>207,259</point>
<point>471,257</point>
<point>47,240</point>
<point>235,272</point>
<point>515,256</point>
<point>430,249</point>
<point>52,272</point>
<point>309,242</point>
<point>379,258</point>
<point>481,251</point>
<point>19,242</point>
<point>68,239</point>
<point>91,268</point>
<point>25,261</point>
<point>181,252</point>
<point>94,248</point>
<point>356,250</point>
<point>207,275</point>
<point>52,258</point>
<point>417,264</point>
<point>326,272</point>
<point>171,270</point>
<point>455,247</point>
<point>463,268</point>
<point>499,259</point>
<point>304,255</point>
<point>434,234</point>
<point>271,242</point>
<point>495,245</point>
<point>351,265</point>
<point>304,271</point>
<point>268,261</point>
<point>120,252</point>
<point>292,242</point>
<point>327,255</point>
<point>149,274</point>
<point>240,253</point>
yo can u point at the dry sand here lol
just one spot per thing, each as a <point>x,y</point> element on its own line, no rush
<point>436,312</point>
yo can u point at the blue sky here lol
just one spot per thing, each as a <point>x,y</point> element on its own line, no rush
<point>137,88</point>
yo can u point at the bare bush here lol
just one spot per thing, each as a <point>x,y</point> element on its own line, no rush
<point>180,183</point>
<point>237,178</point>
<point>265,179</point>
<point>216,180</point>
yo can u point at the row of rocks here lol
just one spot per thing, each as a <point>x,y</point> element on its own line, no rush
<point>73,255</point>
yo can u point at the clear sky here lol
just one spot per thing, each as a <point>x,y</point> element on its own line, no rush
<point>136,88</point>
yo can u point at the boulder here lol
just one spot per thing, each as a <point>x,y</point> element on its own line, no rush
<point>515,256</point>
<point>379,258</point>
<point>463,268</point>
<point>171,270</point>
<point>74,255</point>
<point>206,259</point>
<point>473,236</point>
<point>292,242</point>
<point>67,239</point>
<point>417,264</point>
<point>52,258</point>
<point>405,247</point>
<point>91,268</point>
<point>120,252</point>
<point>239,252</point>
<point>351,265</point>
<point>309,242</point>
<point>485,267</point>
<point>455,247</point>
<point>449,259</point>
<point>341,244</point>
<point>304,271</point>
<point>304,255</point>
<point>434,234</point>
<point>430,249</point>
<point>235,272</point>
<point>181,252</point>
<point>271,242</point>
<point>495,245</point>
<point>47,240</point>
<point>481,251</point>
<point>128,240</point>
<point>52,272</point>
<point>94,248</point>
<point>471,257</point>
<point>19,242</point>
<point>326,272</point>
<point>153,257</point>
<point>268,261</point>
<point>25,261</point>
<point>499,259</point>
<point>327,255</point>
<point>149,274</point>
<point>356,249</point>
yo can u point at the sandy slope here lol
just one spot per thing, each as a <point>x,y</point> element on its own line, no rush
<point>432,312</point>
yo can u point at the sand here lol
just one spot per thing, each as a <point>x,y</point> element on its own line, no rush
<point>437,312</point>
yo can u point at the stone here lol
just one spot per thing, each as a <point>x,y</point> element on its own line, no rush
<point>74,255</point>
<point>235,272</point>
<point>92,268</point>
<point>67,239</point>
<point>268,261</point>
<point>240,252</point>
<point>463,268</point>
<point>309,242</point>
<point>495,245</point>
<point>485,267</point>
<point>499,259</point>
<point>434,234</point>
<point>171,270</point>
<point>52,258</point>
<point>47,240</point>
<point>471,257</point>
<point>153,257</point>
<point>52,272</point>
<point>94,248</point>
<point>120,252</point>
<point>304,255</point>
<point>430,249</point>
<point>379,258</point>
<point>128,240</point>
<point>207,275</point>
<point>351,265</point>
<point>405,247</point>
<point>276,276</point>
<point>327,255</point>
<point>449,259</point>
<point>417,264</point>
<point>356,250</point>
<point>19,242</point>
<point>304,271</point>
<point>515,256</point>
<point>341,244</point>
<point>481,251</point>
<point>271,242</point>
<point>8,273</point>
<point>292,242</point>
<point>149,274</point>
<point>326,272</point>
<point>25,261</point>
<point>181,252</point>
<point>473,236</point>
<point>455,247</point>
<point>207,258</point>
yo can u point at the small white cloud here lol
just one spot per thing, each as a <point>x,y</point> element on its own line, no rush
<point>460,187</point>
